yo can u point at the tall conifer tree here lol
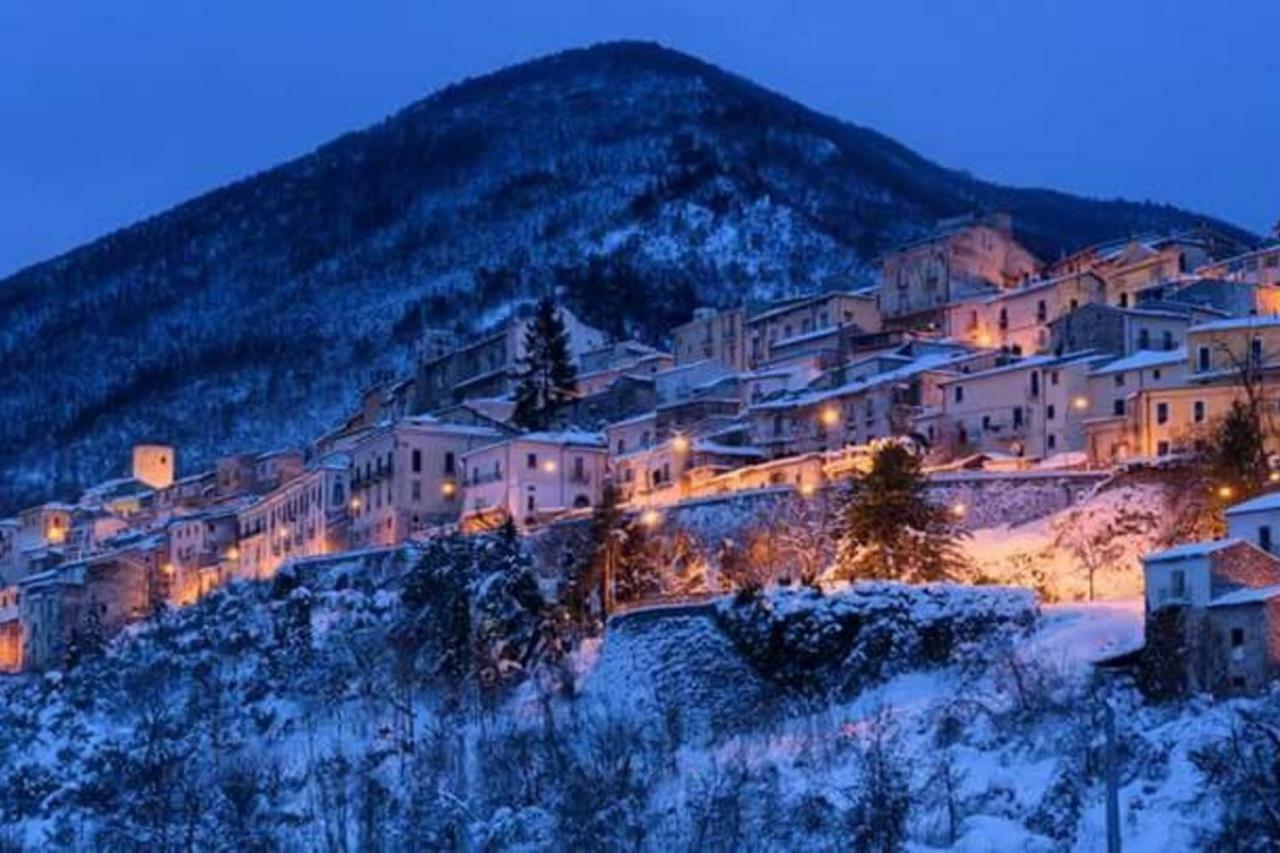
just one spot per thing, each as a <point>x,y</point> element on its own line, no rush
<point>548,379</point>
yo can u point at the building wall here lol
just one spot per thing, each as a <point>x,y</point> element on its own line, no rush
<point>1229,349</point>
<point>720,336</point>
<point>529,479</point>
<point>928,275</point>
<point>1019,320</point>
<point>1255,661</point>
<point>154,464</point>
<point>305,517</point>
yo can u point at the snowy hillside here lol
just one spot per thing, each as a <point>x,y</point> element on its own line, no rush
<point>346,709</point>
<point>641,180</point>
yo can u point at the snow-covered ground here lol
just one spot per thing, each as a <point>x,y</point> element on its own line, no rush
<point>1114,527</point>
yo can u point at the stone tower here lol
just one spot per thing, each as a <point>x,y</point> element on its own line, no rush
<point>154,464</point>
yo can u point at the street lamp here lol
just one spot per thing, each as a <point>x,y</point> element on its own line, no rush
<point>830,416</point>
<point>680,443</point>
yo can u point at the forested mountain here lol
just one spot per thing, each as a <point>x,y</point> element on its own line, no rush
<point>641,180</point>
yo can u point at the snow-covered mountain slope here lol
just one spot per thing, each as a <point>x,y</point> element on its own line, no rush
<point>305,716</point>
<point>642,180</point>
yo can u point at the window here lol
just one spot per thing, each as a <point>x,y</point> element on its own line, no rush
<point>1050,411</point>
<point>1255,352</point>
<point>1124,300</point>
<point>1117,407</point>
<point>1162,448</point>
<point>1042,311</point>
<point>531,461</point>
<point>986,422</point>
<point>1053,378</point>
<point>1035,383</point>
<point>777,425</point>
<point>959,393</point>
<point>449,463</point>
<point>1144,339</point>
<point>1178,584</point>
<point>1199,411</point>
<point>416,463</point>
<point>621,447</point>
<point>1075,303</point>
<point>529,503</point>
<point>1053,441</point>
<point>1119,380</point>
<point>1202,359</point>
<point>415,490</point>
<point>1004,318</point>
<point>1166,339</point>
<point>579,471</point>
<point>1017,417</point>
<point>1155,374</point>
<point>1237,638</point>
<point>1162,413</point>
<point>1264,537</point>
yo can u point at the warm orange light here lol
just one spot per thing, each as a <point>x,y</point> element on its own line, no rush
<point>549,466</point>
<point>447,488</point>
<point>166,568</point>
<point>959,510</point>
<point>1225,492</point>
<point>355,503</point>
<point>830,416</point>
<point>984,340</point>
<point>808,489</point>
<point>1080,403</point>
<point>651,518</point>
<point>1274,476</point>
<point>283,533</point>
<point>233,553</point>
<point>680,443</point>
<point>57,535</point>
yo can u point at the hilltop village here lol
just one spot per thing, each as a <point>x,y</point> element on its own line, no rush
<point>979,354</point>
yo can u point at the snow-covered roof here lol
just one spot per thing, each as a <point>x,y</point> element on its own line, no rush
<point>636,419</point>
<point>1142,360</point>
<point>703,445</point>
<point>825,332</point>
<point>1251,322</point>
<point>1251,595</point>
<point>1028,362</point>
<point>922,364</point>
<point>1262,503</point>
<point>568,436</point>
<point>1191,549</point>
<point>437,425</point>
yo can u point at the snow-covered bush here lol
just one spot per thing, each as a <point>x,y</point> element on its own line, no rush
<point>811,641</point>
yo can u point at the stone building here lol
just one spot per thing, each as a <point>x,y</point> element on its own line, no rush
<point>1226,596</point>
<point>533,477</point>
<point>964,258</point>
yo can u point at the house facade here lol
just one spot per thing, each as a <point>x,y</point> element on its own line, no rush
<point>407,476</point>
<point>304,517</point>
<point>964,259</point>
<point>1226,594</point>
<point>532,478</point>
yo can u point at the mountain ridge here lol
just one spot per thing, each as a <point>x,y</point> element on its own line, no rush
<point>637,179</point>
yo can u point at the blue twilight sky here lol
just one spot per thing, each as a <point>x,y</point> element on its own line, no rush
<point>111,110</point>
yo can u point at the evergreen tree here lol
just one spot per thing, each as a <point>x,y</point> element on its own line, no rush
<point>890,530</point>
<point>547,376</point>
<point>595,576</point>
<point>1239,459</point>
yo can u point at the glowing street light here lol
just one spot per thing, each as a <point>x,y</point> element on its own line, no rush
<point>680,443</point>
<point>355,504</point>
<point>959,509</point>
<point>549,466</point>
<point>830,416</point>
<point>650,518</point>
<point>1225,492</point>
<point>448,488</point>
<point>808,489</point>
<point>1274,476</point>
<point>1080,403</point>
